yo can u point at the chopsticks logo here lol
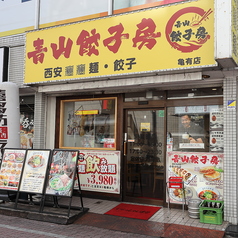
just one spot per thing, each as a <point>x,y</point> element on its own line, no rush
<point>186,30</point>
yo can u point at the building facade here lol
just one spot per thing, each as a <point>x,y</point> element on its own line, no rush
<point>145,90</point>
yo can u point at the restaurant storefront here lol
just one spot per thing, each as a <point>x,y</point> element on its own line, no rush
<point>141,133</point>
<point>131,140</point>
<point>143,95</point>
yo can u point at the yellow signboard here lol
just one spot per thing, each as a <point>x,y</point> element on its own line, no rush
<point>86,112</point>
<point>174,37</point>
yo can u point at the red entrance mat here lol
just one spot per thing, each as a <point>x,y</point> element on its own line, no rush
<point>133,211</point>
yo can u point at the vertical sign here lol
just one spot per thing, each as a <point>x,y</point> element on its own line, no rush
<point>9,115</point>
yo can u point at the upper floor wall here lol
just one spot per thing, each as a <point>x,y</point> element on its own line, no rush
<point>37,14</point>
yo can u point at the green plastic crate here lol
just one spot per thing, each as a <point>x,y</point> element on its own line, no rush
<point>211,215</point>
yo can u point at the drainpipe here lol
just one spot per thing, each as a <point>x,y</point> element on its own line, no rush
<point>110,7</point>
<point>37,14</point>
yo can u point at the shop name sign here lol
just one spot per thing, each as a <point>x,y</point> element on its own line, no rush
<point>165,38</point>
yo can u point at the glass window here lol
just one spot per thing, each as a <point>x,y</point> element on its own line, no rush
<point>55,12</point>
<point>88,123</point>
<point>130,5</point>
<point>27,121</point>
<point>195,128</point>
<point>144,96</point>
<point>195,93</point>
<point>119,4</point>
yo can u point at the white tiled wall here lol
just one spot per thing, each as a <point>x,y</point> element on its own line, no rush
<point>39,122</point>
<point>230,151</point>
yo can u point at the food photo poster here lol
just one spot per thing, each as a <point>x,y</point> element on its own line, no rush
<point>34,171</point>
<point>11,168</point>
<point>216,131</point>
<point>62,173</point>
<point>202,174</point>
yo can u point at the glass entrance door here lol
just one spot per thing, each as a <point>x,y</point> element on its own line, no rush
<point>144,155</point>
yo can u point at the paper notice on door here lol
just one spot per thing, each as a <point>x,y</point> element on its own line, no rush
<point>145,127</point>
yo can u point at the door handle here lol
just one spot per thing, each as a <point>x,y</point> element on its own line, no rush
<point>125,148</point>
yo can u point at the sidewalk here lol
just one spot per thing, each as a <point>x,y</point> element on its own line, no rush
<point>166,222</point>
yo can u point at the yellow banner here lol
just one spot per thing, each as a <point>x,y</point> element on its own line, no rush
<point>165,38</point>
<point>86,112</point>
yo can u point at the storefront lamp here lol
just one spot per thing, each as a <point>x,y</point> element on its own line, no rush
<point>205,76</point>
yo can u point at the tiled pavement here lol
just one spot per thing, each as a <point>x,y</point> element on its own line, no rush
<point>172,223</point>
<point>15,227</point>
<point>164,215</point>
<point>165,223</point>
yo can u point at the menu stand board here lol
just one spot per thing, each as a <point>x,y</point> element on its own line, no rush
<point>11,169</point>
<point>60,180</point>
<point>34,172</point>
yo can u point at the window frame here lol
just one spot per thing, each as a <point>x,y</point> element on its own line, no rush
<point>61,123</point>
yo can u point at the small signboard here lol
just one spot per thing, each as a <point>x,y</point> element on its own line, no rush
<point>11,168</point>
<point>99,171</point>
<point>62,173</point>
<point>34,171</point>
<point>231,104</point>
<point>3,132</point>
<point>175,182</point>
<point>145,127</point>
<point>216,119</point>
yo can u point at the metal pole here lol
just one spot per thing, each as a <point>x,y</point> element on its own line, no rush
<point>37,14</point>
<point>110,7</point>
<point>184,198</point>
<point>167,188</point>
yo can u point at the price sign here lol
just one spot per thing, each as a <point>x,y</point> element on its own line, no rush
<point>99,171</point>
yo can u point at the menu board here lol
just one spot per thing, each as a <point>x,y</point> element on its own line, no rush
<point>62,172</point>
<point>202,174</point>
<point>34,171</point>
<point>11,168</point>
